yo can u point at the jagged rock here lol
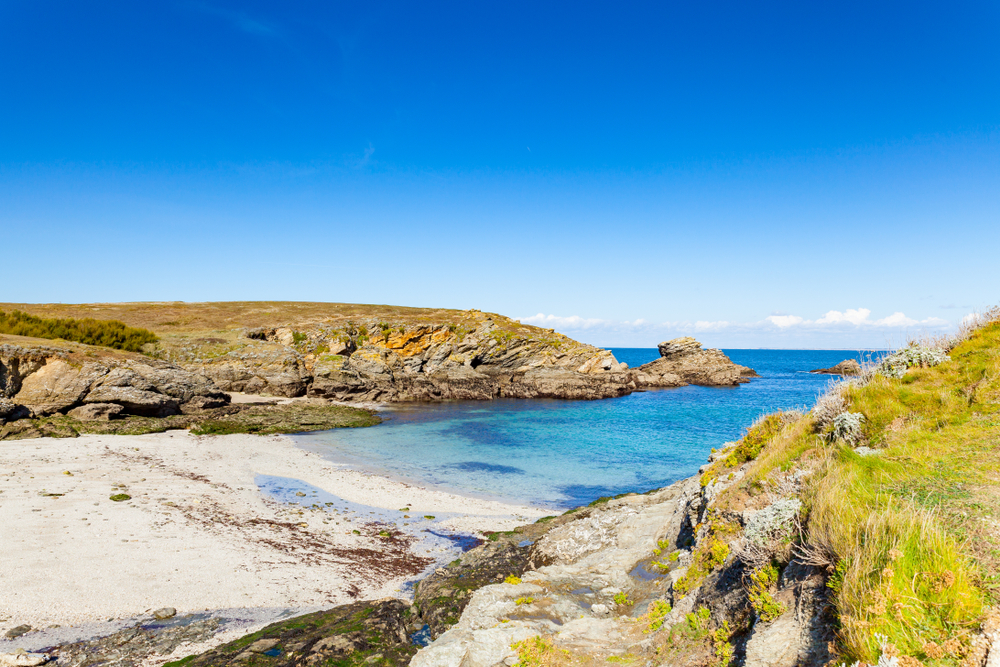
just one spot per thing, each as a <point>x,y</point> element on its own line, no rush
<point>135,401</point>
<point>260,368</point>
<point>845,367</point>
<point>342,635</point>
<point>11,411</point>
<point>58,385</point>
<point>683,361</point>
<point>800,636</point>
<point>201,403</point>
<point>133,646</point>
<point>96,412</point>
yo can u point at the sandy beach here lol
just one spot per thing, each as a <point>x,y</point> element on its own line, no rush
<point>198,534</point>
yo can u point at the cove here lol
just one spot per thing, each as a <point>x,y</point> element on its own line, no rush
<point>561,454</point>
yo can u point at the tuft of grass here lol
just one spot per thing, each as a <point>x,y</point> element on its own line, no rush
<point>750,445</point>
<point>654,618</point>
<point>105,333</point>
<point>538,651</point>
<point>761,581</point>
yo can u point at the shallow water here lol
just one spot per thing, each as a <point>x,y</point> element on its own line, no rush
<point>561,454</point>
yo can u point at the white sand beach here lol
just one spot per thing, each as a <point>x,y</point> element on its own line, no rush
<point>197,533</point>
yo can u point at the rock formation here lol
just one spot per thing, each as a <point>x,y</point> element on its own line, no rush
<point>44,380</point>
<point>683,361</point>
<point>845,367</point>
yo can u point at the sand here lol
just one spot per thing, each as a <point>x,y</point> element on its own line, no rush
<point>198,534</point>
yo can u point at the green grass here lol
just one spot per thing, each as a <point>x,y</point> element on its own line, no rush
<point>911,528</point>
<point>105,333</point>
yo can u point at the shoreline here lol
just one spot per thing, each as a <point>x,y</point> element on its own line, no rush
<point>198,534</point>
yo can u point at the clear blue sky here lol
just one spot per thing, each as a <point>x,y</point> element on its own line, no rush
<point>732,170</point>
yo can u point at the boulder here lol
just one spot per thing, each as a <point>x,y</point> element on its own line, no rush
<point>135,401</point>
<point>58,385</point>
<point>199,403</point>
<point>11,411</point>
<point>845,367</point>
<point>96,412</point>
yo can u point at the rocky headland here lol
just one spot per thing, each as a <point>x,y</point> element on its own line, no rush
<point>326,352</point>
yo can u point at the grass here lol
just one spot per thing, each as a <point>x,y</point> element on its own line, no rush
<point>911,531</point>
<point>539,651</point>
<point>104,333</point>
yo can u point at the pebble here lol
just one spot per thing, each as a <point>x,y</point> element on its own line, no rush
<point>164,613</point>
<point>14,633</point>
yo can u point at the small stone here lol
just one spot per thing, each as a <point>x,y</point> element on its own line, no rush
<point>22,659</point>
<point>14,633</point>
<point>164,613</point>
<point>262,645</point>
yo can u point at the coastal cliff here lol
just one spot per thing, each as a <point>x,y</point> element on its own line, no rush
<point>200,353</point>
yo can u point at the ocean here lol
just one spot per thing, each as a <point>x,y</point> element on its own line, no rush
<point>560,454</point>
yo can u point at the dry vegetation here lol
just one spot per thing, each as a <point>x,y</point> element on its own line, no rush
<point>907,518</point>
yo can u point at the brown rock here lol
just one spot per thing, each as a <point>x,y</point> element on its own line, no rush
<point>135,401</point>
<point>58,385</point>
<point>845,367</point>
<point>96,412</point>
<point>683,361</point>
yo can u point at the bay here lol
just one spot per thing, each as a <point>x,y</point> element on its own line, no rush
<point>560,454</point>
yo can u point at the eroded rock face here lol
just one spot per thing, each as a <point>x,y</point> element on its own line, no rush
<point>845,367</point>
<point>47,381</point>
<point>683,361</point>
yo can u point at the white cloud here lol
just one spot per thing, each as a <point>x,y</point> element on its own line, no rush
<point>556,322</point>
<point>782,321</point>
<point>852,319</point>
<point>852,315</point>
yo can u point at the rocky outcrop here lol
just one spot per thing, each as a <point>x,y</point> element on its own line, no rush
<point>845,367</point>
<point>491,357</point>
<point>40,381</point>
<point>683,361</point>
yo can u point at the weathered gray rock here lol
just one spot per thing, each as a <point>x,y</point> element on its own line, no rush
<point>135,401</point>
<point>11,411</point>
<point>23,659</point>
<point>683,361</point>
<point>58,385</point>
<point>17,631</point>
<point>845,367</point>
<point>96,412</point>
<point>164,613</point>
<point>801,635</point>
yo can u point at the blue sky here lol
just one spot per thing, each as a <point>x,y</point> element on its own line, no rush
<point>774,174</point>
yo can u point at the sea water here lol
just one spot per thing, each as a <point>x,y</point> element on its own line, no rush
<point>560,454</point>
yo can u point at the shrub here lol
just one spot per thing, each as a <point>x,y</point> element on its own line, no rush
<point>828,407</point>
<point>512,580</point>
<point>761,600</point>
<point>847,427</point>
<point>658,611</point>
<point>621,599</point>
<point>106,333</point>
<point>920,356</point>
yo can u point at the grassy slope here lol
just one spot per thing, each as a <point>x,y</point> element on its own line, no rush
<point>912,533</point>
<point>207,330</point>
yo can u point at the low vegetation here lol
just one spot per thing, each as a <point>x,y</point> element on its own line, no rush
<point>104,333</point>
<point>898,472</point>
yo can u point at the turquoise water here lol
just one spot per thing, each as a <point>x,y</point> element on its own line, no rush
<point>562,454</point>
